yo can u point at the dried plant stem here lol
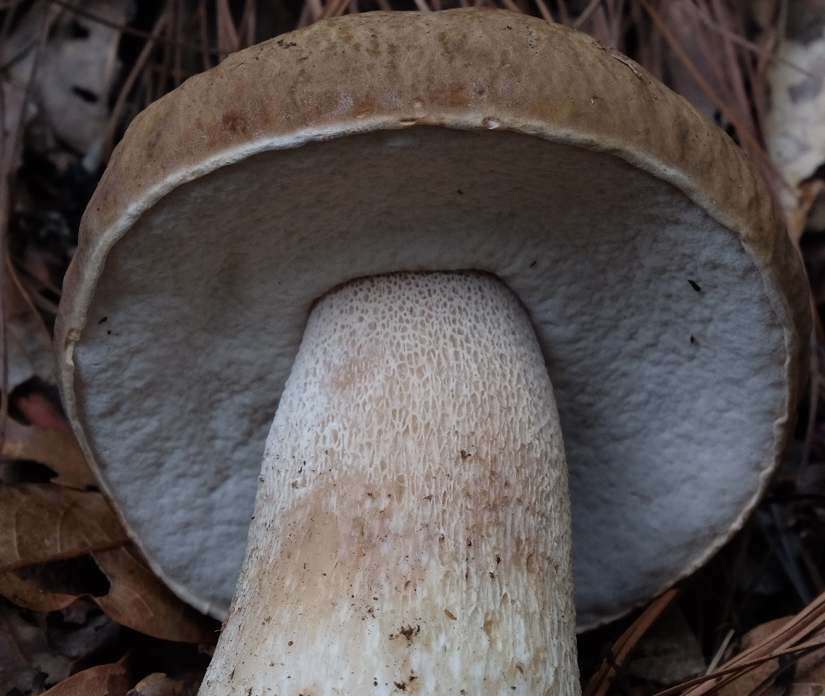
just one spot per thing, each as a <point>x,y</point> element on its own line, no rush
<point>753,145</point>
<point>601,681</point>
<point>794,639</point>
<point>9,154</point>
<point>720,653</point>
<point>586,12</point>
<point>136,72</point>
<point>123,28</point>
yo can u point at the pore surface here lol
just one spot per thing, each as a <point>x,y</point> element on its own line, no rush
<point>665,356</point>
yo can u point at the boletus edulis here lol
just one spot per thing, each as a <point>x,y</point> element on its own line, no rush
<point>393,233</point>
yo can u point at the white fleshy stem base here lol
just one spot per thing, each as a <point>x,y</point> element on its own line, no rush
<point>412,526</point>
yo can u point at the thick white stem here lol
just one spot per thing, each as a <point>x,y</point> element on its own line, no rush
<point>412,526</point>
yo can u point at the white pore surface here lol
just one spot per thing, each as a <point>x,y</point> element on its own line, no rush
<point>667,394</point>
<point>412,526</point>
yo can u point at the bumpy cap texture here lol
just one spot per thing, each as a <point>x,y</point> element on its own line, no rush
<point>671,310</point>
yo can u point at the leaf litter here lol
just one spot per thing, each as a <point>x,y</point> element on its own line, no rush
<point>83,613</point>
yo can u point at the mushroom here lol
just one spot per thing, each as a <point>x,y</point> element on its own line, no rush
<point>446,212</point>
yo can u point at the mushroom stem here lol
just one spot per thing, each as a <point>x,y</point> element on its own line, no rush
<point>412,526</point>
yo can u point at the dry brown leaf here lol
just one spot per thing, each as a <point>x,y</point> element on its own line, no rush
<point>76,67</point>
<point>57,449</point>
<point>761,677</point>
<point>789,640</point>
<point>159,684</point>
<point>40,412</point>
<point>809,676</point>
<point>27,661</point>
<point>37,652</point>
<point>810,672</point>
<point>27,594</point>
<point>43,522</point>
<point>15,659</point>
<point>795,127</point>
<point>798,218</point>
<point>138,599</point>
<point>806,689</point>
<point>103,680</point>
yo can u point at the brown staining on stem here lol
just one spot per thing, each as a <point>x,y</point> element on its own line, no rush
<point>407,631</point>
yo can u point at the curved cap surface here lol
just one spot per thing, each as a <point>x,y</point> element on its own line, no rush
<point>671,309</point>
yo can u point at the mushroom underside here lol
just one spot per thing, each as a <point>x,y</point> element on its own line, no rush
<point>652,318</point>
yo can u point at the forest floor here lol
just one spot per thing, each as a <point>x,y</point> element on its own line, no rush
<point>81,613</point>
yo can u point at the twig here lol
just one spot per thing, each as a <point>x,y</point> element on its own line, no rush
<point>544,11</point>
<point>586,12</point>
<point>9,152</point>
<point>148,36</point>
<point>750,45</point>
<point>130,81</point>
<point>600,682</point>
<point>720,653</point>
<point>791,639</point>
<point>753,144</point>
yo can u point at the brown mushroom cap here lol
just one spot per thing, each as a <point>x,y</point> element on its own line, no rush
<point>670,306</point>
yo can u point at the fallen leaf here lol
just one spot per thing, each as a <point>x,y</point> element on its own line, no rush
<point>54,585</point>
<point>806,689</point>
<point>15,665</point>
<point>783,643</point>
<point>139,599</point>
<point>809,676</point>
<point>41,412</point>
<point>42,522</point>
<point>28,595</point>
<point>794,126</point>
<point>760,677</point>
<point>103,680</point>
<point>808,210</point>
<point>27,661</point>
<point>84,641</point>
<point>159,684</point>
<point>57,449</point>
<point>77,66</point>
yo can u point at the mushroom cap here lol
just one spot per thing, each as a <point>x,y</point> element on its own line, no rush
<point>669,304</point>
